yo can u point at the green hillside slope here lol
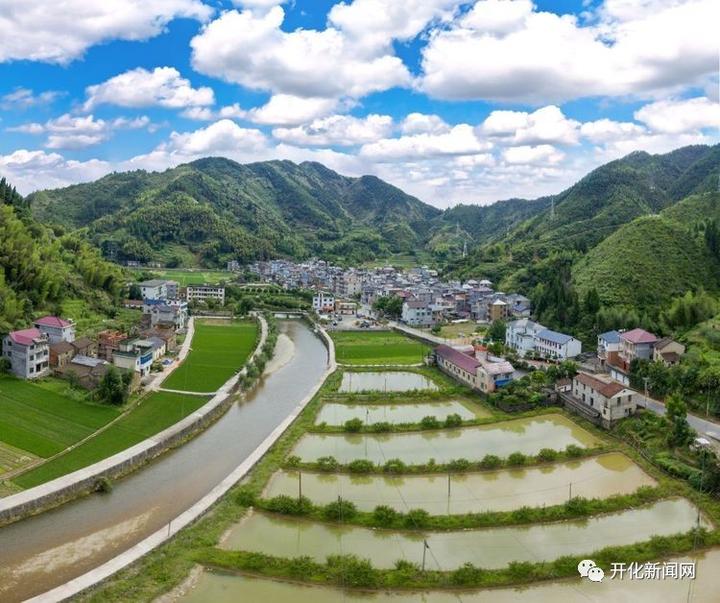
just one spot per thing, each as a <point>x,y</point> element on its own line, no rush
<point>214,209</point>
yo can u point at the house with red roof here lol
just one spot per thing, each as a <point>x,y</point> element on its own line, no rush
<point>29,353</point>
<point>57,329</point>
<point>482,372</point>
<point>608,400</point>
<point>634,344</point>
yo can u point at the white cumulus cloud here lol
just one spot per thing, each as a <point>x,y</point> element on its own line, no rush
<point>343,130</point>
<point>58,32</point>
<point>546,125</point>
<point>676,116</point>
<point>161,87</point>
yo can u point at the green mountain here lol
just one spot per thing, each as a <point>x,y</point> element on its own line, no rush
<point>212,210</point>
<point>43,272</point>
<point>645,263</point>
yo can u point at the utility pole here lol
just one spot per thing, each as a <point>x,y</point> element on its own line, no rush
<point>299,485</point>
<point>425,548</point>
<point>570,491</point>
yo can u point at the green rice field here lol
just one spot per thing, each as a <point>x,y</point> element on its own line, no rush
<point>192,277</point>
<point>43,422</point>
<point>218,351</point>
<point>155,413</point>
<point>377,347</point>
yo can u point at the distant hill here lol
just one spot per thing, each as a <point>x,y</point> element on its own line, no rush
<point>652,259</point>
<point>42,272</point>
<point>214,209</point>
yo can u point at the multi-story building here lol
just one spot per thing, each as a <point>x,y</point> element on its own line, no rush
<point>29,353</point>
<point>134,355</point>
<point>323,302</point>
<point>635,344</point>
<point>416,313</point>
<point>57,329</point>
<point>668,351</point>
<point>484,374</point>
<point>206,293</point>
<point>154,289</point>
<point>520,335</point>
<point>608,347</point>
<point>613,401</point>
<point>558,346</point>
<point>173,289</point>
<point>173,312</point>
<point>108,342</point>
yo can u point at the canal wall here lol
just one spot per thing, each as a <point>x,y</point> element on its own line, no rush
<point>133,554</point>
<point>58,491</point>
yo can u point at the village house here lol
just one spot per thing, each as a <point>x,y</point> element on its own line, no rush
<point>108,342</point>
<point>417,313</point>
<point>29,353</point>
<point>85,347</point>
<point>85,370</point>
<point>134,355</point>
<point>526,336</point>
<point>608,347</point>
<point>205,293</point>
<point>481,374</point>
<point>167,312</point>
<point>154,289</point>
<point>558,346</point>
<point>345,308</point>
<point>323,302</point>
<point>57,329</point>
<point>668,351</point>
<point>610,400</point>
<point>635,344</point>
<point>61,353</point>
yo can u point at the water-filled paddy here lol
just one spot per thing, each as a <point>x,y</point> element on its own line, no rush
<point>385,381</point>
<point>224,588</point>
<point>527,435</point>
<point>488,548</point>
<point>336,414</point>
<point>502,490</point>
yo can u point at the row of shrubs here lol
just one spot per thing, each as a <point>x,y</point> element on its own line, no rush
<point>256,367</point>
<point>355,572</point>
<point>430,422</point>
<point>330,464</point>
<point>383,516</point>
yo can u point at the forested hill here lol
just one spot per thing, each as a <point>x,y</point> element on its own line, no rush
<point>213,210</point>
<point>41,271</point>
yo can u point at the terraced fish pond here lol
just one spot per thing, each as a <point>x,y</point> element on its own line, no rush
<point>337,413</point>
<point>502,490</point>
<point>488,548</point>
<point>385,381</point>
<point>526,435</point>
<point>226,588</point>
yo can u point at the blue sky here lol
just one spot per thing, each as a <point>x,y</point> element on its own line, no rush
<point>452,101</point>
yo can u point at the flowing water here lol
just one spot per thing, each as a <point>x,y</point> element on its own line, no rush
<point>407,412</point>
<point>487,548</point>
<point>45,551</point>
<point>385,381</point>
<point>224,588</point>
<point>502,490</point>
<point>527,435</point>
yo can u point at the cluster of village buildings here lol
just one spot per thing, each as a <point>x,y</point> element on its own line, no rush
<point>50,346</point>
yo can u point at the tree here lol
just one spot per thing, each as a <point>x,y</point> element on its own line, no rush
<point>680,431</point>
<point>135,292</point>
<point>496,332</point>
<point>5,365</point>
<point>244,306</point>
<point>390,306</point>
<point>114,387</point>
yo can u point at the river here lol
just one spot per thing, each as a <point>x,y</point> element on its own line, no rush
<point>42,552</point>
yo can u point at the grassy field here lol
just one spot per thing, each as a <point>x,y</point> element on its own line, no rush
<point>155,413</point>
<point>217,352</point>
<point>40,420</point>
<point>190,276</point>
<point>12,458</point>
<point>377,347</point>
<point>461,329</point>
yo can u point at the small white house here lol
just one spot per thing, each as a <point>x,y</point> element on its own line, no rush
<point>558,346</point>
<point>416,313</point>
<point>57,329</point>
<point>323,302</point>
<point>154,289</point>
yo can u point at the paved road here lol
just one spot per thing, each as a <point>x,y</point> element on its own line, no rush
<point>706,429</point>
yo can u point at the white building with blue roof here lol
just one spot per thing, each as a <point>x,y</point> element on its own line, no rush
<point>559,346</point>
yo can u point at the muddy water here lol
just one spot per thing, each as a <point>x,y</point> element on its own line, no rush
<point>44,551</point>
<point>488,548</point>
<point>223,588</point>
<point>389,381</point>
<point>504,490</point>
<point>337,414</point>
<point>528,436</point>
